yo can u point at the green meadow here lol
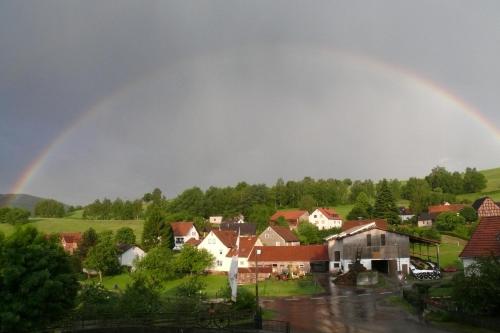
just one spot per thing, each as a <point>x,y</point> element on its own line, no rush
<point>56,225</point>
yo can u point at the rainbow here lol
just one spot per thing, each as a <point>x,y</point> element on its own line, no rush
<point>30,171</point>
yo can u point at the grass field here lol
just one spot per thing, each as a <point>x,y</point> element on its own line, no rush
<point>214,283</point>
<point>54,225</point>
<point>449,249</point>
<point>492,189</point>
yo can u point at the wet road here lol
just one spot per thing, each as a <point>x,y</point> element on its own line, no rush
<point>345,310</point>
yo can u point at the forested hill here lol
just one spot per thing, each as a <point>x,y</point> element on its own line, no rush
<point>24,201</point>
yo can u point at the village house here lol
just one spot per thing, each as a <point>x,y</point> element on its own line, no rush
<point>278,236</point>
<point>424,220</point>
<point>486,207</point>
<point>128,255</point>
<point>218,243</point>
<point>183,231</point>
<point>297,260</point>
<point>243,248</point>
<point>405,214</point>
<point>240,228</point>
<point>325,218</point>
<point>292,217</point>
<point>434,211</point>
<point>215,219</point>
<point>371,243</point>
<point>484,242</point>
<point>70,241</point>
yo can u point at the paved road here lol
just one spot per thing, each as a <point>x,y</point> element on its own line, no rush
<point>346,310</point>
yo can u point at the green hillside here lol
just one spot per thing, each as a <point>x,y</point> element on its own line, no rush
<point>55,225</point>
<point>492,189</point>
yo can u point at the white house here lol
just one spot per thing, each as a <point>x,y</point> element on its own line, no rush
<point>424,220</point>
<point>215,219</point>
<point>183,231</point>
<point>129,253</point>
<point>325,218</point>
<point>219,243</point>
<point>245,247</point>
<point>375,246</point>
<point>405,214</point>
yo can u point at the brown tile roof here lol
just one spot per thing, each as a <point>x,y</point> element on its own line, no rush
<point>380,223</point>
<point>71,237</point>
<point>246,245</point>
<point>181,228</point>
<point>285,233</point>
<point>289,215</point>
<point>329,213</point>
<point>445,208</point>
<point>291,253</point>
<point>193,242</point>
<point>485,240</point>
<point>227,237</point>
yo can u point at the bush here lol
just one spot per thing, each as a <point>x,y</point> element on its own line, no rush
<point>245,299</point>
<point>448,221</point>
<point>94,301</point>
<point>193,287</point>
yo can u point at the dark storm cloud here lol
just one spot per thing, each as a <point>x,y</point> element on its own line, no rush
<point>59,58</point>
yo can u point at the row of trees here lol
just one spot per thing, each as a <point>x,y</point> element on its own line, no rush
<point>116,210</point>
<point>49,208</point>
<point>14,216</point>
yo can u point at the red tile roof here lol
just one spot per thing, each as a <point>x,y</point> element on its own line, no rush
<point>485,240</point>
<point>71,237</point>
<point>291,253</point>
<point>227,237</point>
<point>181,228</point>
<point>246,245</point>
<point>285,233</point>
<point>193,242</point>
<point>288,215</point>
<point>445,208</point>
<point>329,213</point>
<point>380,223</point>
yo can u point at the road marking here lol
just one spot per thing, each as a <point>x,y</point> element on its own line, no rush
<point>364,294</point>
<point>386,292</point>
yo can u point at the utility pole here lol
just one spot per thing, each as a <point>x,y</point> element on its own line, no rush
<point>258,314</point>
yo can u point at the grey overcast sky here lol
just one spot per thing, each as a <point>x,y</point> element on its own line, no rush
<point>119,97</point>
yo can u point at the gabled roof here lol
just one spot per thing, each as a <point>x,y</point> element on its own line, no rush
<point>122,248</point>
<point>305,253</point>
<point>285,233</point>
<point>192,241</point>
<point>478,203</point>
<point>71,237</point>
<point>381,223</point>
<point>246,245</point>
<point>424,216</point>
<point>485,240</point>
<point>404,211</point>
<point>329,213</point>
<point>289,215</point>
<point>243,228</point>
<point>227,237</point>
<point>181,229</point>
<point>437,209</point>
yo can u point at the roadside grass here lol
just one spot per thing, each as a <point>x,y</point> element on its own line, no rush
<point>214,283</point>
<point>55,225</point>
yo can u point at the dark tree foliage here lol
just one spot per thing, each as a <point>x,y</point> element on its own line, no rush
<point>469,214</point>
<point>307,202</point>
<point>191,260</point>
<point>448,221</point>
<point>125,235</point>
<point>260,215</point>
<point>474,181</point>
<point>139,298</point>
<point>116,210</point>
<point>477,292</point>
<point>94,301</point>
<point>156,230</point>
<point>89,239</point>
<point>103,257</point>
<point>385,205</point>
<point>14,216</point>
<point>308,234</point>
<point>362,208</point>
<point>49,208</point>
<point>37,283</point>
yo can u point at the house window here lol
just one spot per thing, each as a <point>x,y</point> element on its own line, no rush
<point>382,239</point>
<point>211,241</point>
<point>179,240</point>
<point>368,240</point>
<point>193,233</point>
<point>220,251</point>
<point>301,266</point>
<point>337,255</point>
<point>336,265</point>
<point>266,235</point>
<point>315,216</point>
<point>242,262</point>
<point>219,263</point>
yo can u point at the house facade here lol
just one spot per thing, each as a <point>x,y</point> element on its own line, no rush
<point>244,229</point>
<point>292,217</point>
<point>486,207</point>
<point>129,254</point>
<point>215,219</point>
<point>70,240</point>
<point>243,248</point>
<point>484,242</point>
<point>183,231</point>
<point>405,214</point>
<point>375,246</point>
<point>218,243</point>
<point>297,260</point>
<point>424,220</point>
<point>278,236</point>
<point>325,218</point>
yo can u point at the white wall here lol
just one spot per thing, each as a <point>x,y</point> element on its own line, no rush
<point>192,233</point>
<point>214,246</point>
<point>322,222</point>
<point>127,258</point>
